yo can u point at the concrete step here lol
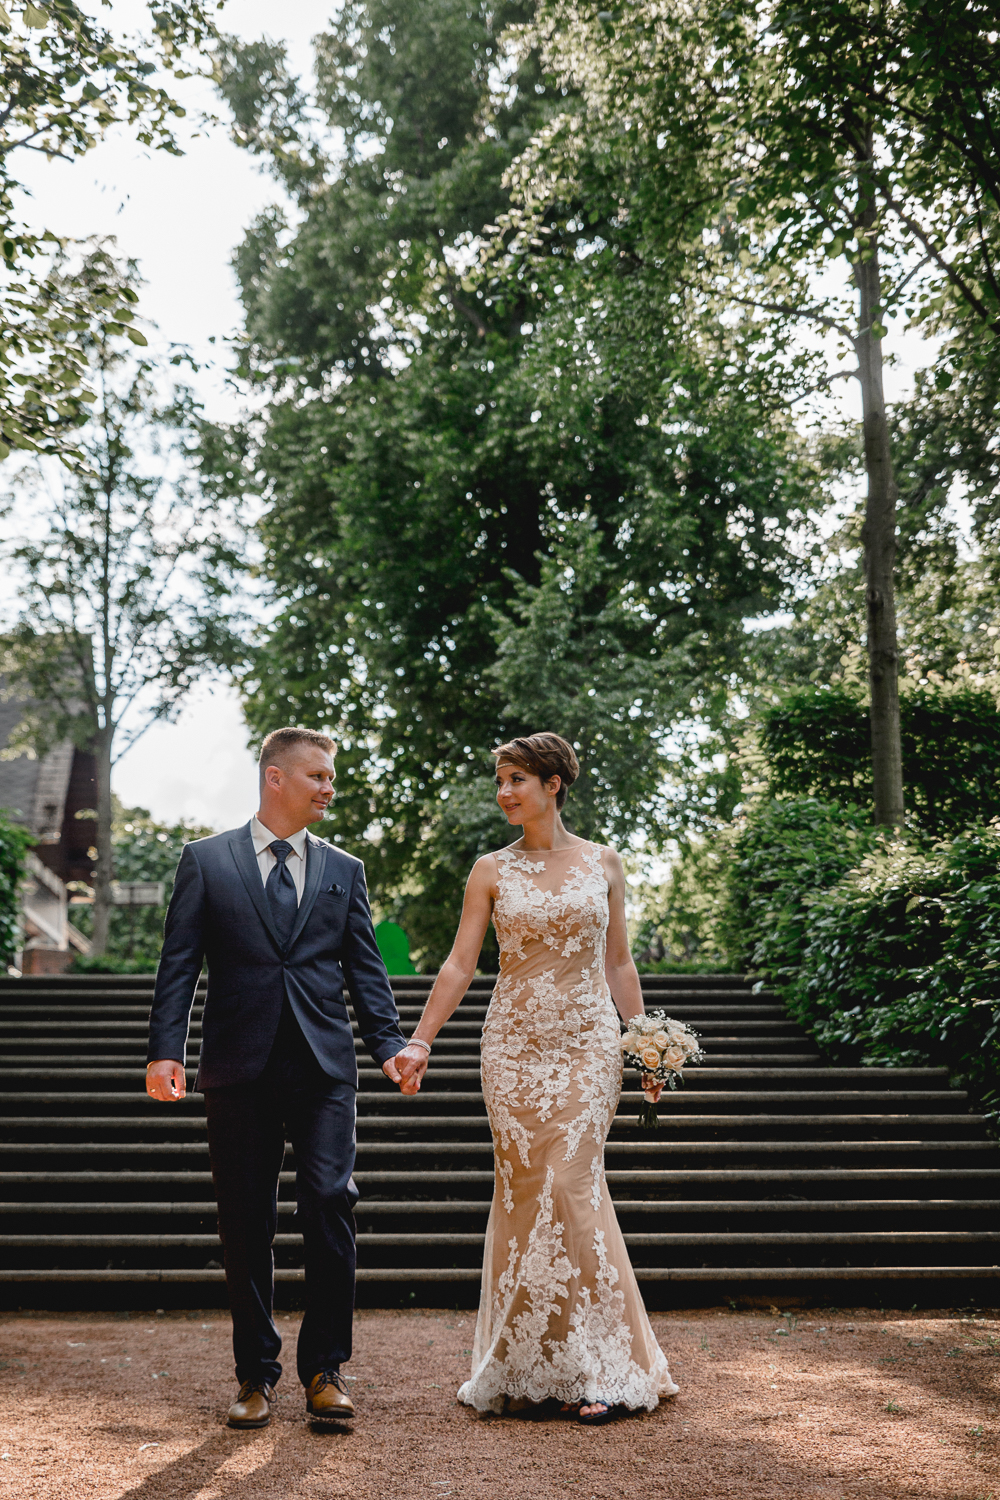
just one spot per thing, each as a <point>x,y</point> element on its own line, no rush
<point>947,1284</point>
<point>368,1241</point>
<point>663,1183</point>
<point>24,1155</point>
<point>762,1126</point>
<point>766,1211</point>
<point>745,1071</point>
<point>424,1251</point>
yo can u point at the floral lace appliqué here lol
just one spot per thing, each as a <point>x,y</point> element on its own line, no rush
<point>561,1314</point>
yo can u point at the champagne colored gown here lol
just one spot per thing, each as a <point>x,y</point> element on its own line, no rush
<point>560,1313</point>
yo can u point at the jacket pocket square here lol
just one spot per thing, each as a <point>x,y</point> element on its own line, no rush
<point>335,890</point>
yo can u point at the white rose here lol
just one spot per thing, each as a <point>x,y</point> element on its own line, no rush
<point>630,1042</point>
<point>675,1057</point>
<point>661,1040</point>
<point>650,1058</point>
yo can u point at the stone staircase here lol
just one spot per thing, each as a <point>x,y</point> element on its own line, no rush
<point>772,1174</point>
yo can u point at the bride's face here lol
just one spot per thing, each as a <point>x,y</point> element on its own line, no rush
<point>523,797</point>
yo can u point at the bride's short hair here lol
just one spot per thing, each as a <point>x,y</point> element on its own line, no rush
<point>544,755</point>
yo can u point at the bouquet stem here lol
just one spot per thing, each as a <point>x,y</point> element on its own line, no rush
<point>647,1116</point>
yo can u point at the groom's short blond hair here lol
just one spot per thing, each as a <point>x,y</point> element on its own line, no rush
<point>281,742</point>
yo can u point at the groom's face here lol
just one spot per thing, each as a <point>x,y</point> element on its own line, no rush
<point>301,788</point>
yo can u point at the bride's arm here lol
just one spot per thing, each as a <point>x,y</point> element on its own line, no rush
<point>459,967</point>
<point>619,966</point>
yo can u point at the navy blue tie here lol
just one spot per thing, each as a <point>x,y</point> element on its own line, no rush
<point>281,894</point>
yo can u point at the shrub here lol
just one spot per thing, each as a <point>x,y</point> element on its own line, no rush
<point>817,743</point>
<point>901,960</point>
<point>143,850</point>
<point>107,963</point>
<point>15,842</point>
<point>678,930</point>
<point>786,852</point>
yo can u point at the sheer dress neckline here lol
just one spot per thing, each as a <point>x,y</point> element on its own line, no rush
<point>534,858</point>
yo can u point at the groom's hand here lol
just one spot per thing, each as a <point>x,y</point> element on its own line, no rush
<point>165,1080</point>
<point>407,1068</point>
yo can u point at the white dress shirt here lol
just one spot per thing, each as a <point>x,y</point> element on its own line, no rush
<point>266,861</point>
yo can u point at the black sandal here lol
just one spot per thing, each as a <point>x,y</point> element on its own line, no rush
<point>597,1418</point>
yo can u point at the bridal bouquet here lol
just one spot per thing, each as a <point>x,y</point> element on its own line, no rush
<point>659,1047</point>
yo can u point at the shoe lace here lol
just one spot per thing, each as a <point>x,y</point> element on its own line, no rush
<point>249,1386</point>
<point>330,1377</point>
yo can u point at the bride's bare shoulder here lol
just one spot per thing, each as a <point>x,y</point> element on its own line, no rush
<point>485,869</point>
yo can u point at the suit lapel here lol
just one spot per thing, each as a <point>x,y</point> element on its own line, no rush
<point>315,866</point>
<point>241,846</point>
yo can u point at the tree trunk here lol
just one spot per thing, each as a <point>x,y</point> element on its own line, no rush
<point>104,873</point>
<point>879,532</point>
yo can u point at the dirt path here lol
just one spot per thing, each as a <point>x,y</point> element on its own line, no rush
<point>841,1406</point>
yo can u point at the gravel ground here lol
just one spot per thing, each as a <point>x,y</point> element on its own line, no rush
<point>831,1404</point>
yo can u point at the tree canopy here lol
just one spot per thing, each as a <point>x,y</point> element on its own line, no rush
<point>489,508</point>
<point>758,148</point>
<point>67,81</point>
<point>122,575</point>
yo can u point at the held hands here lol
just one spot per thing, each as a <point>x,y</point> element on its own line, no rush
<point>407,1069</point>
<point>165,1080</point>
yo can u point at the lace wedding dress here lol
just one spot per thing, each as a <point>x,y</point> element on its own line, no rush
<point>560,1313</point>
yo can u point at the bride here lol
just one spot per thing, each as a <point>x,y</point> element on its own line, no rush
<point>560,1314</point>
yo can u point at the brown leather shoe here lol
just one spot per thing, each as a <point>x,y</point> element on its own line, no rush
<point>326,1396</point>
<point>252,1407</point>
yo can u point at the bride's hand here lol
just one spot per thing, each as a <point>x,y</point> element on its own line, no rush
<point>407,1069</point>
<point>652,1088</point>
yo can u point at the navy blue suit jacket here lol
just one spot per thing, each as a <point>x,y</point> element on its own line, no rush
<point>219,915</point>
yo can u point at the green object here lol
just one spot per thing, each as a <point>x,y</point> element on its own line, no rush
<point>15,842</point>
<point>394,946</point>
<point>885,948</point>
<point>900,964</point>
<point>817,742</point>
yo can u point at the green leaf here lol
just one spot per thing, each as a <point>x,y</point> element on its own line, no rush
<point>137,337</point>
<point>35,17</point>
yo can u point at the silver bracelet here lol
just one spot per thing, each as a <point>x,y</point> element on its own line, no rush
<point>418,1041</point>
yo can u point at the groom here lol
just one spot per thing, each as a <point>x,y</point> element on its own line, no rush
<point>279,917</point>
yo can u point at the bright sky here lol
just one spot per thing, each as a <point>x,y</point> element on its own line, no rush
<point>180,218</point>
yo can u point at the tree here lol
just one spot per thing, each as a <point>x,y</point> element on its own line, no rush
<point>430,439</point>
<point>123,591</point>
<point>67,81</point>
<point>763,146</point>
<point>144,850</point>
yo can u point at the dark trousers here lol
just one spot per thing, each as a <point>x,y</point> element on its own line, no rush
<point>247,1128</point>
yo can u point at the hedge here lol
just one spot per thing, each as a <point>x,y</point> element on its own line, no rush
<point>817,743</point>
<point>886,949</point>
